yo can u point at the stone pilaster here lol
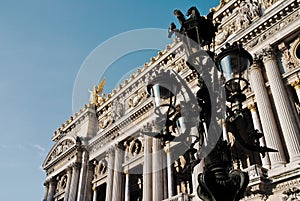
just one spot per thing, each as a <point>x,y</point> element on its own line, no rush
<point>256,123</point>
<point>110,173</point>
<point>67,190</point>
<point>267,118</point>
<point>74,181</point>
<point>169,170</point>
<point>127,188</point>
<point>118,176</point>
<point>157,170</point>
<point>147,170</point>
<point>83,177</point>
<point>46,184</point>
<point>286,118</point>
<point>90,175</point>
<point>296,85</point>
<point>51,191</point>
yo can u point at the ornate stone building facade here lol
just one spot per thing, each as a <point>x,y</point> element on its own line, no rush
<point>100,153</point>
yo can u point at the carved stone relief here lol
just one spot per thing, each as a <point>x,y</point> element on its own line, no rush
<point>60,148</point>
<point>117,109</point>
<point>61,184</point>
<point>133,148</point>
<point>289,55</point>
<point>135,99</point>
<point>268,3</point>
<point>100,168</point>
<point>248,10</point>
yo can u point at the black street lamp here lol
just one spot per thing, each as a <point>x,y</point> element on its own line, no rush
<point>219,181</point>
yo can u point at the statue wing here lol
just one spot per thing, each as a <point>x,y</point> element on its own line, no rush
<point>101,86</point>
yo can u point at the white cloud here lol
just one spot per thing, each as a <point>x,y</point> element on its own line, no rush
<point>3,146</point>
<point>40,149</point>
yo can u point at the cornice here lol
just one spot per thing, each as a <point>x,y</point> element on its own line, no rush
<point>267,25</point>
<point>74,121</point>
<point>112,131</point>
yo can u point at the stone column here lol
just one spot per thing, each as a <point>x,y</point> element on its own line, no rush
<point>94,194</point>
<point>157,170</point>
<point>257,126</point>
<point>224,131</point>
<point>90,176</point>
<point>67,190</point>
<point>285,114</point>
<point>74,181</point>
<point>118,175</point>
<point>83,177</point>
<point>267,118</point>
<point>46,184</point>
<point>147,170</point>
<point>164,175</point>
<point>52,186</point>
<point>110,173</point>
<point>296,85</point>
<point>169,170</point>
<point>127,188</point>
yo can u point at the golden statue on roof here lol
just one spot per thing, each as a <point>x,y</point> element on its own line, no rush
<point>98,89</point>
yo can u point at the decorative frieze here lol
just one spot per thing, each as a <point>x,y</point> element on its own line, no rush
<point>272,26</point>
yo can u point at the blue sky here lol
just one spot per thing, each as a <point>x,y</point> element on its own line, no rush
<point>43,46</point>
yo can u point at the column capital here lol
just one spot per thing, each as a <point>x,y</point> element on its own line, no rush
<point>296,84</point>
<point>110,151</point>
<point>167,148</point>
<point>252,107</point>
<point>256,63</point>
<point>91,166</point>
<point>76,165</point>
<point>268,53</point>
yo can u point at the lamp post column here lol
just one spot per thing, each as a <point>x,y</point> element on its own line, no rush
<point>256,123</point>
<point>157,170</point>
<point>266,115</point>
<point>147,170</point>
<point>110,173</point>
<point>286,118</point>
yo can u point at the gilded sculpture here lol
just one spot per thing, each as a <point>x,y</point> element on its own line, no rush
<point>95,94</point>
